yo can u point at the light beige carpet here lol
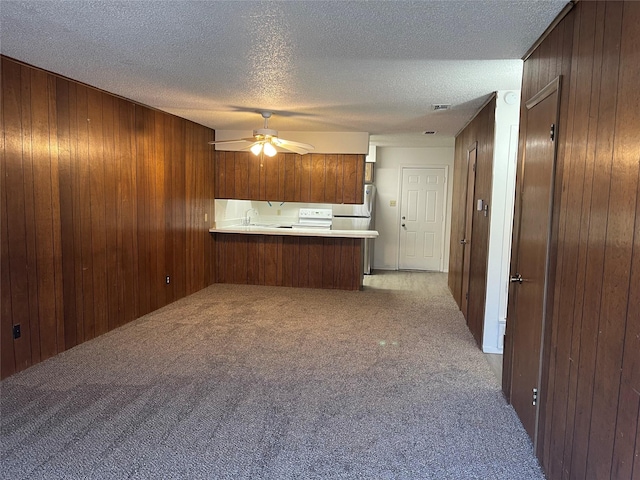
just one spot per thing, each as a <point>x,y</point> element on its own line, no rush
<point>251,382</point>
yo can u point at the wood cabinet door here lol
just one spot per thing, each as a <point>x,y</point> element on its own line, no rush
<point>318,178</point>
<point>351,167</point>
<point>288,177</point>
<point>269,179</point>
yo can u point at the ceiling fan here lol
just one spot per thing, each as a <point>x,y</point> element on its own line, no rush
<point>266,140</point>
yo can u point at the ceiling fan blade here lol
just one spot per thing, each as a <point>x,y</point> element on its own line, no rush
<point>286,143</point>
<point>222,142</point>
<point>294,149</point>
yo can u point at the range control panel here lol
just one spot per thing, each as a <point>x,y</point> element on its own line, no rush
<point>314,218</point>
<point>321,213</point>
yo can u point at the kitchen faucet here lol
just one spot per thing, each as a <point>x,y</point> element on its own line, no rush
<point>247,216</point>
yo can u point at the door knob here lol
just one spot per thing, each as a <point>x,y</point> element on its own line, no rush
<point>517,278</point>
<point>403,225</point>
<point>463,241</point>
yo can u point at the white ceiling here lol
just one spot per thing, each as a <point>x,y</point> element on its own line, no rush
<point>372,66</point>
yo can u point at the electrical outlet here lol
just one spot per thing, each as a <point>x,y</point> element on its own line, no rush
<point>278,212</point>
<point>16,332</point>
<point>167,280</point>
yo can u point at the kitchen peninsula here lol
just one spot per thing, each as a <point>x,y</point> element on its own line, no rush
<point>257,233</point>
<point>292,257</point>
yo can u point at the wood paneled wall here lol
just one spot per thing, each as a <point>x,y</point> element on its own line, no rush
<point>288,177</point>
<point>481,130</point>
<point>589,426</point>
<point>101,200</point>
<point>289,261</point>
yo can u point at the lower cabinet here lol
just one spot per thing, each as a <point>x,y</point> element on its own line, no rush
<point>289,261</point>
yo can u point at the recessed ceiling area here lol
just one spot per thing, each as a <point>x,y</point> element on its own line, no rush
<point>353,66</point>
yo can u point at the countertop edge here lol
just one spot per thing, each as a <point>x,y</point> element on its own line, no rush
<point>295,232</point>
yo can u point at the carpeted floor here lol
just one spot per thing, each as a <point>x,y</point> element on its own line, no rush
<point>250,382</point>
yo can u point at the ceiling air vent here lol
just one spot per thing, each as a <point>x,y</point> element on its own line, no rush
<point>441,106</point>
<point>430,132</point>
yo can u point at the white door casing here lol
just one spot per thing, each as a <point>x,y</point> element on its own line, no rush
<point>422,219</point>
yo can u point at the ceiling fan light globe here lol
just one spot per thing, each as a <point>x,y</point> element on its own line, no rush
<point>269,150</point>
<point>256,149</point>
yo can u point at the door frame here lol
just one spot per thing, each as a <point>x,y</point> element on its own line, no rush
<point>445,209</point>
<point>548,300</point>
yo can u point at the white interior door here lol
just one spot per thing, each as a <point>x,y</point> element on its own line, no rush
<point>422,219</point>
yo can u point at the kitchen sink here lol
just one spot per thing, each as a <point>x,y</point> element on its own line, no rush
<point>270,225</point>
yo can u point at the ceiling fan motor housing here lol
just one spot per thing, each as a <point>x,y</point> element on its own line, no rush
<point>265,132</point>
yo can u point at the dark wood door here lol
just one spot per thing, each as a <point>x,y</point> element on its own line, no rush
<point>472,158</point>
<point>526,313</point>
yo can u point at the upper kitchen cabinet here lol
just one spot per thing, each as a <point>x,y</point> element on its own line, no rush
<point>288,177</point>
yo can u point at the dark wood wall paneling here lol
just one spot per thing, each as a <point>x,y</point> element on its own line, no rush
<point>589,425</point>
<point>288,177</point>
<point>289,261</point>
<point>101,199</point>
<point>481,130</point>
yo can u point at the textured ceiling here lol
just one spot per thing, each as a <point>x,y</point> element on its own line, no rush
<point>373,66</point>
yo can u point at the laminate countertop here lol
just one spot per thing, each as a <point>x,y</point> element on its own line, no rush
<point>295,231</point>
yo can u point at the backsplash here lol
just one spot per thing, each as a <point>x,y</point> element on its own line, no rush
<point>231,212</point>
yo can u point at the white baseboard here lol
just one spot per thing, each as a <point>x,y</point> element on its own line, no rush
<point>492,349</point>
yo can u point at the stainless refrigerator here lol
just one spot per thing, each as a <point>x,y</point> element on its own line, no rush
<point>359,217</point>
